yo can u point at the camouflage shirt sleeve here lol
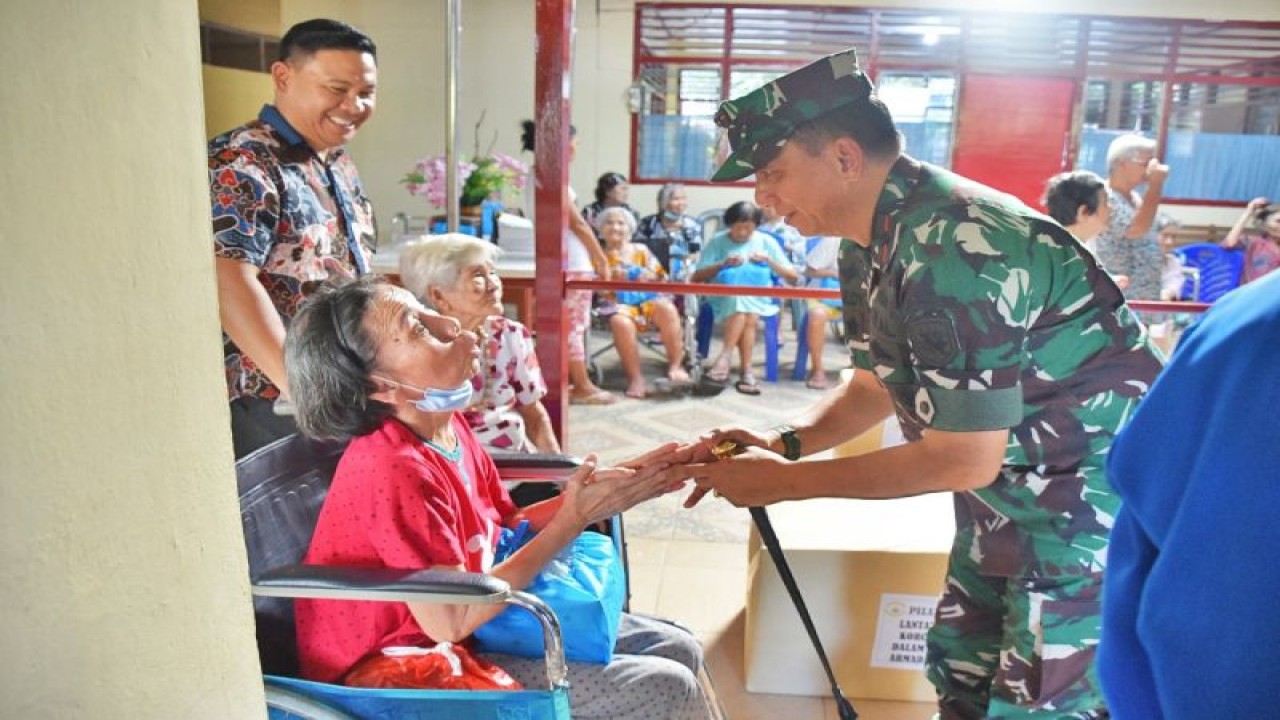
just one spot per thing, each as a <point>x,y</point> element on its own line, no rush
<point>965,306</point>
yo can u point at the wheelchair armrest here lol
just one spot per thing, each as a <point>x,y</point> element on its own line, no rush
<point>543,467</point>
<point>385,584</point>
<point>429,586</point>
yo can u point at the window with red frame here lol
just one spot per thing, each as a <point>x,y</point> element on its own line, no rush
<point>1209,92</point>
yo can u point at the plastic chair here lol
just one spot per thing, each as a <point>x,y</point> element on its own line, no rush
<point>800,371</point>
<point>707,321</point>
<point>1218,270</point>
<point>282,488</point>
<point>710,221</point>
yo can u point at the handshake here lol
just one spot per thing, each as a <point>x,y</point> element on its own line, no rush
<point>739,465</point>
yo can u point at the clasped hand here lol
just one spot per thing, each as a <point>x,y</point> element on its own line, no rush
<point>595,493</point>
<point>753,476</point>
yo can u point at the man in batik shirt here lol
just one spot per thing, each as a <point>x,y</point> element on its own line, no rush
<point>289,212</point>
<point>1008,356</point>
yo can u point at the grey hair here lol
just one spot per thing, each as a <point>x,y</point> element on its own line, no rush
<point>606,213</point>
<point>329,356</point>
<point>1126,147</point>
<point>438,262</point>
<point>665,192</point>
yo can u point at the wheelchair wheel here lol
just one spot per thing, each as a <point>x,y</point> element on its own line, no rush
<point>286,704</point>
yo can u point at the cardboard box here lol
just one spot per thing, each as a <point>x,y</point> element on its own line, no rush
<point>870,572</point>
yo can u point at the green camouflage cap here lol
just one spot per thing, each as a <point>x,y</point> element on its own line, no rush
<point>766,117</point>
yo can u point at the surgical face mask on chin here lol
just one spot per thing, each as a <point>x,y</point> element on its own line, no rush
<point>436,400</point>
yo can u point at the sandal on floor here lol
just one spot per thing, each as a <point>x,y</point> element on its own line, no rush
<point>817,383</point>
<point>747,386</point>
<point>599,397</point>
<point>717,373</point>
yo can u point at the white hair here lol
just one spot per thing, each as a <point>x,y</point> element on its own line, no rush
<point>439,260</point>
<point>624,213</point>
<point>1126,147</point>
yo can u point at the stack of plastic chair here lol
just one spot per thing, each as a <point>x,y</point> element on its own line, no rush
<point>1218,270</point>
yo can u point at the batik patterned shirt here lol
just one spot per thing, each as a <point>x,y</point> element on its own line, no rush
<point>299,219</point>
<point>977,313</point>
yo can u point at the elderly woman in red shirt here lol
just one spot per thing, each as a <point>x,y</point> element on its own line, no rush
<point>415,489</point>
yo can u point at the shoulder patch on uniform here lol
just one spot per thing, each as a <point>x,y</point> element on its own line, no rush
<point>932,336</point>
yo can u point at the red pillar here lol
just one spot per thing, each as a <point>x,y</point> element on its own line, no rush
<point>553,58</point>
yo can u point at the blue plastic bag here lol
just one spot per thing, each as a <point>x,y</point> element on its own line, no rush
<point>632,297</point>
<point>752,273</point>
<point>830,283</point>
<point>586,587</point>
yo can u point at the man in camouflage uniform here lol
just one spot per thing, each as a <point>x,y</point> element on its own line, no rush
<point>1008,356</point>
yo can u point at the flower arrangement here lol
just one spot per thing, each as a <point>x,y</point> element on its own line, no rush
<point>483,179</point>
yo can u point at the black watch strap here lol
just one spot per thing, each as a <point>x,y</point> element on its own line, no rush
<point>790,442</point>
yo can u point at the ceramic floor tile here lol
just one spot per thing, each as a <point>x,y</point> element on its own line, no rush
<point>693,554</point>
<point>882,710</point>
<point>702,599</point>
<point>646,584</point>
<point>646,550</point>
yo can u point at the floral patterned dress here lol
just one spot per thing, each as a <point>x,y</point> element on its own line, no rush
<point>1142,259</point>
<point>509,380</point>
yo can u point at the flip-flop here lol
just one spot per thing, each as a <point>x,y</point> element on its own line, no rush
<point>600,397</point>
<point>747,386</point>
<point>814,384</point>
<point>717,373</point>
<point>709,386</point>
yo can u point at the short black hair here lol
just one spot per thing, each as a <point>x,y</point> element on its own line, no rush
<point>743,211</point>
<point>1066,192</point>
<point>868,122</point>
<point>529,133</point>
<point>308,36</point>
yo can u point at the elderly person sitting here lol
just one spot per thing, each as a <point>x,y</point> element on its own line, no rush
<point>671,233</point>
<point>631,313</point>
<point>415,490</point>
<point>456,276</point>
<point>1129,245</point>
<point>741,255</point>
<point>612,190</point>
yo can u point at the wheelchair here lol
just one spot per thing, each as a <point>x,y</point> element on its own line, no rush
<point>649,341</point>
<point>282,488</point>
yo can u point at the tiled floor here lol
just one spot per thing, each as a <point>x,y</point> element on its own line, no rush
<point>691,565</point>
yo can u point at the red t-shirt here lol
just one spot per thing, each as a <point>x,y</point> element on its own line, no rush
<point>396,502</point>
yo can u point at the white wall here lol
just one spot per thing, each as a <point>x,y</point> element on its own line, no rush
<point>125,592</point>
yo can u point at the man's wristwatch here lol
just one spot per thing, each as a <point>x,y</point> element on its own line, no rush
<point>790,441</point>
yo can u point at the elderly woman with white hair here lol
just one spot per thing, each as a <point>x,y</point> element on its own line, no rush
<point>1129,245</point>
<point>631,313</point>
<point>455,275</point>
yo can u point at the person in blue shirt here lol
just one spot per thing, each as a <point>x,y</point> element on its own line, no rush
<point>741,255</point>
<point>1189,621</point>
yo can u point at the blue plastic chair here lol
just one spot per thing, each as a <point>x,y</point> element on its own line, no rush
<point>800,370</point>
<point>282,488</point>
<point>706,323</point>
<point>1219,270</point>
